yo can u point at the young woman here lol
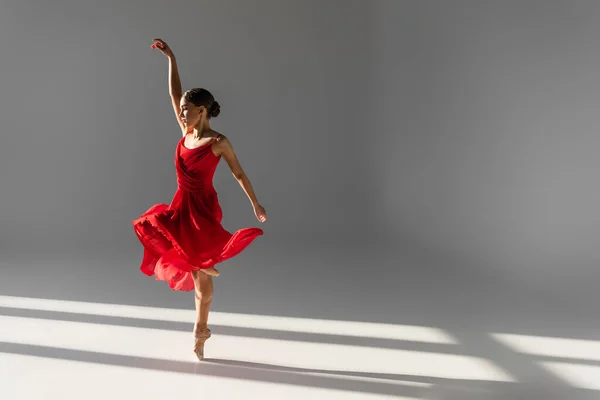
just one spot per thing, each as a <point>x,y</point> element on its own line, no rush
<point>184,240</point>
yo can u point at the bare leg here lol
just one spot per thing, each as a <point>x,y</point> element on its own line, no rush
<point>211,271</point>
<point>203,295</point>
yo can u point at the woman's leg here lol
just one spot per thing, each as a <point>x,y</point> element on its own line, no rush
<point>211,271</point>
<point>203,296</point>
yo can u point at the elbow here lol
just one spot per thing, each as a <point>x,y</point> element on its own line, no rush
<point>239,175</point>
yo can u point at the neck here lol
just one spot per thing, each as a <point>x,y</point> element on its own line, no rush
<point>201,128</point>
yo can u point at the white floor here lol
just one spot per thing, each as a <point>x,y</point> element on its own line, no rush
<point>455,337</point>
<point>44,358</point>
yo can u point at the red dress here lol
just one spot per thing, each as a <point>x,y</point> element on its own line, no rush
<point>187,235</point>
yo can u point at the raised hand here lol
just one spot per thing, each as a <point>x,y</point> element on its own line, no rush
<point>162,46</point>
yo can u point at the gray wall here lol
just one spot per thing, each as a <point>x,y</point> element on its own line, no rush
<point>422,162</point>
<point>466,129</point>
<point>486,119</point>
<point>88,133</point>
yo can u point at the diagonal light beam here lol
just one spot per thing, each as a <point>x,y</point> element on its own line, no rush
<point>67,375</point>
<point>575,349</point>
<point>177,346</point>
<point>303,325</point>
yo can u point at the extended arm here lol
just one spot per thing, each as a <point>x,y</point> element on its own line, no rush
<point>225,149</point>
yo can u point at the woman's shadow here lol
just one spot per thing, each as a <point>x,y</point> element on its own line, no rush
<point>410,386</point>
<point>386,384</point>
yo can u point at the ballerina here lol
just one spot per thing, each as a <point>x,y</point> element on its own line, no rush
<point>184,240</point>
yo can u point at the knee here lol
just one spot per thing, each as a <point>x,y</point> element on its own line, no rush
<point>204,296</point>
<point>203,286</point>
<point>204,293</point>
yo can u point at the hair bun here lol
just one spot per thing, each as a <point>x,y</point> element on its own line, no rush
<point>215,109</point>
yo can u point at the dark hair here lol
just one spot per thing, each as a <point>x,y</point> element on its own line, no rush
<point>202,97</point>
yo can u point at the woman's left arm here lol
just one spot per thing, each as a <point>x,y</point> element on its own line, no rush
<point>225,149</point>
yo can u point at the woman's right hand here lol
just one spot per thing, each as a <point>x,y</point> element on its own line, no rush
<point>162,46</point>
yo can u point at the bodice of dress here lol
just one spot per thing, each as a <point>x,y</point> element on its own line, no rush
<point>195,168</point>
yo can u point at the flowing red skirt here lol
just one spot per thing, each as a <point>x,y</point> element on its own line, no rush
<point>177,242</point>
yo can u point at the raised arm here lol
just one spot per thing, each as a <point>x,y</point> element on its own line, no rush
<point>175,90</point>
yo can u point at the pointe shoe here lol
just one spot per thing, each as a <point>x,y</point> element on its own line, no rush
<point>211,271</point>
<point>199,339</point>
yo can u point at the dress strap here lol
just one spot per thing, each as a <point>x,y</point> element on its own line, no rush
<point>217,138</point>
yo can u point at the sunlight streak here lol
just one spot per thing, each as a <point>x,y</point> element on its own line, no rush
<point>65,379</point>
<point>576,349</point>
<point>177,346</point>
<point>580,376</point>
<point>302,325</point>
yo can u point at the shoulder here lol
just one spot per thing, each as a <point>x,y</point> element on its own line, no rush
<point>221,138</point>
<point>222,145</point>
<point>222,141</point>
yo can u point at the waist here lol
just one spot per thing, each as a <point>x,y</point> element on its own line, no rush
<point>196,187</point>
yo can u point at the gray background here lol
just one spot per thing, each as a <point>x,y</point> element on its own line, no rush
<point>427,162</point>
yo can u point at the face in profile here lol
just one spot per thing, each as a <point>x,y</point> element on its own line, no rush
<point>190,113</point>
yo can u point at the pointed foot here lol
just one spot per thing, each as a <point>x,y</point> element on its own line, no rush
<point>200,339</point>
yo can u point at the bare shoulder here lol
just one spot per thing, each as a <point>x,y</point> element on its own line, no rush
<point>222,139</point>
<point>222,145</point>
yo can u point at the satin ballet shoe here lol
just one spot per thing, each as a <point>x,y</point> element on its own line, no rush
<point>199,339</point>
